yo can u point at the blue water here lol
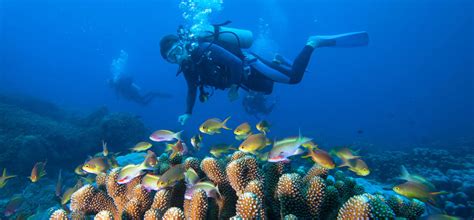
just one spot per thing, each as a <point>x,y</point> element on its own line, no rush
<point>413,85</point>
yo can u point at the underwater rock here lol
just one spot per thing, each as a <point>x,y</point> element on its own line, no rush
<point>34,130</point>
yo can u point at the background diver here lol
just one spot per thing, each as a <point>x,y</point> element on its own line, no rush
<point>125,87</point>
<point>215,59</point>
<point>257,104</point>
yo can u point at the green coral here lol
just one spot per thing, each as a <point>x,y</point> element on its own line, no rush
<point>380,209</point>
<point>410,209</point>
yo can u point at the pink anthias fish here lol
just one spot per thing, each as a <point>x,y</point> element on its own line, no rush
<point>165,135</point>
<point>286,148</point>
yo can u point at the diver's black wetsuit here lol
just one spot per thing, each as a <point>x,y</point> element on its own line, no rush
<point>212,65</point>
<point>125,87</point>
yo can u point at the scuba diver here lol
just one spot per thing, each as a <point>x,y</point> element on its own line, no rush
<point>125,87</point>
<point>257,104</point>
<point>214,59</point>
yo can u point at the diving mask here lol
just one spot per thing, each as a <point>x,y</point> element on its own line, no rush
<point>176,53</point>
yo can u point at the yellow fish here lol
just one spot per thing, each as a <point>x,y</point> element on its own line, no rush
<point>321,157</point>
<point>171,176</point>
<point>415,178</point>
<point>141,146</point>
<point>344,153</point>
<point>243,129</point>
<point>219,149</point>
<point>37,172</point>
<point>263,126</point>
<point>213,126</point>
<point>66,197</point>
<point>191,177</point>
<point>417,191</point>
<point>96,165</point>
<point>4,178</point>
<point>254,143</point>
<point>357,166</point>
<point>310,145</point>
<point>79,170</point>
<point>150,181</point>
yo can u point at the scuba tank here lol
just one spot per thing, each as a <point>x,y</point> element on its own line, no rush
<point>239,38</point>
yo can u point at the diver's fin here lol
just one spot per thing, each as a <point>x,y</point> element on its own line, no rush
<point>352,39</point>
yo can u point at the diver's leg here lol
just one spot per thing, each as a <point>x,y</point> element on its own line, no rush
<point>147,98</point>
<point>285,74</point>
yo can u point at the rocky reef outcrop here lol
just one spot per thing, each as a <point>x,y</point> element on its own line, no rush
<point>33,130</point>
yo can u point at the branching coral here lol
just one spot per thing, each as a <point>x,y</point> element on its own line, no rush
<point>237,155</point>
<point>174,213</point>
<point>215,172</point>
<point>357,207</point>
<point>331,203</point>
<point>198,205</point>
<point>104,215</point>
<point>410,209</point>
<point>245,192</point>
<point>273,172</point>
<point>241,171</point>
<point>315,195</point>
<point>291,197</point>
<point>152,214</point>
<point>365,206</point>
<point>249,206</point>
<point>161,201</point>
<point>140,202</point>
<point>90,200</point>
<point>316,170</point>
<point>58,215</point>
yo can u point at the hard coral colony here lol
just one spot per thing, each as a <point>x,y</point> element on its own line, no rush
<point>244,186</point>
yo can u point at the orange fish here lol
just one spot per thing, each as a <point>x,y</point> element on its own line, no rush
<point>321,157</point>
<point>37,172</point>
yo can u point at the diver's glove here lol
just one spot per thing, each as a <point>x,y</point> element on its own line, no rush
<point>183,118</point>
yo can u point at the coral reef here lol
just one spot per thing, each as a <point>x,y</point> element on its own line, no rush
<point>248,189</point>
<point>454,175</point>
<point>57,135</point>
